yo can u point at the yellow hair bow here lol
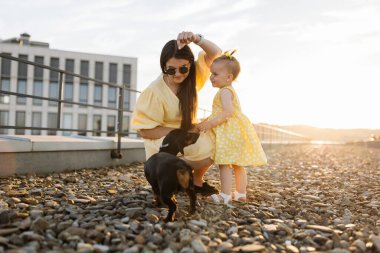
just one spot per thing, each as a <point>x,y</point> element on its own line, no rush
<point>229,53</point>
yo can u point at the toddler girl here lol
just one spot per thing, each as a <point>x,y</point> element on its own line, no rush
<point>236,142</point>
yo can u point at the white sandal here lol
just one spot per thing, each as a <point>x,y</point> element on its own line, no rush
<point>221,198</point>
<point>240,197</point>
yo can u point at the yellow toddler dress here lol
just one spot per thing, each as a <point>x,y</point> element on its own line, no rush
<point>236,141</point>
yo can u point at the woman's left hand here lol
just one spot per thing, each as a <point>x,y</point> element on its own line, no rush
<point>185,38</point>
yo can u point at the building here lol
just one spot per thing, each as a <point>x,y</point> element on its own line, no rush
<point>28,79</point>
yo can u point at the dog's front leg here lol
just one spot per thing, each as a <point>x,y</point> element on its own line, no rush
<point>193,199</point>
<point>171,202</point>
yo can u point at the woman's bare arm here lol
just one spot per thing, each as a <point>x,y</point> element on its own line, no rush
<point>211,49</point>
<point>155,133</point>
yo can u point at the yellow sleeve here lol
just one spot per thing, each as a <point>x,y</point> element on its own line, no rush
<point>148,112</point>
<point>202,70</point>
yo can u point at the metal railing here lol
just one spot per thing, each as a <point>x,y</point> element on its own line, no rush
<point>60,101</point>
<point>275,135</point>
<point>267,134</point>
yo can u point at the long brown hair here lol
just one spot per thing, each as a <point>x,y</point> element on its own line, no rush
<point>187,93</point>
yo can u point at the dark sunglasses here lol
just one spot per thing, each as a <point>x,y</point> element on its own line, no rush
<point>172,71</point>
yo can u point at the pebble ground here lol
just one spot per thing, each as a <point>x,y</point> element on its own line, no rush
<point>309,198</point>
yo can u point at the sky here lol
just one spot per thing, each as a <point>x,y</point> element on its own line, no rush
<point>304,62</point>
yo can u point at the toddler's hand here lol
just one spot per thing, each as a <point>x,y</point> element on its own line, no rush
<point>204,126</point>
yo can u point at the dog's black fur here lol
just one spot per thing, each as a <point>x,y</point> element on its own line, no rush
<point>168,174</point>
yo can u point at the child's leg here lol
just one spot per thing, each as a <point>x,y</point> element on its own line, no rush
<point>225,179</point>
<point>224,196</point>
<point>241,179</point>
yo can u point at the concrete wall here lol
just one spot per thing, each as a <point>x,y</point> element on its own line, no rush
<point>49,154</point>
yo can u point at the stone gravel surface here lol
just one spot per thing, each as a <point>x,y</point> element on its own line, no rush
<point>309,198</point>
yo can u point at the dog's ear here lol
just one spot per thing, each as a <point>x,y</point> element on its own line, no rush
<point>181,140</point>
<point>183,177</point>
<point>191,138</point>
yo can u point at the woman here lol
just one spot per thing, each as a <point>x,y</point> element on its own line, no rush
<point>170,102</point>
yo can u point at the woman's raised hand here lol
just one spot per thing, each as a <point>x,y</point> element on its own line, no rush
<point>185,38</point>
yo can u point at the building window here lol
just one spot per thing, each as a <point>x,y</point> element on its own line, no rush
<point>127,75</point>
<point>97,124</point>
<point>111,122</point>
<point>67,123</point>
<point>69,67</point>
<point>83,93</point>
<point>5,79</point>
<point>54,75</point>
<point>38,71</point>
<point>83,87</point>
<point>22,71</point>
<point>99,71</point>
<point>69,93</point>
<point>113,73</point>
<point>4,117</point>
<point>36,122</point>
<point>127,84</point>
<point>5,86</point>
<point>21,88</point>
<point>84,71</point>
<point>37,91</point>
<point>53,93</point>
<point>112,97</point>
<point>6,67</point>
<point>82,124</point>
<point>126,99</point>
<point>38,78</point>
<point>98,94</point>
<point>52,123</point>
<point>98,91</point>
<point>112,90</point>
<point>20,122</point>
<point>125,125</point>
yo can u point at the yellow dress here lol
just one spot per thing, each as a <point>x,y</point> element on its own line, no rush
<point>236,141</point>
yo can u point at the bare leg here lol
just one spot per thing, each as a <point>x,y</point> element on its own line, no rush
<point>225,179</point>
<point>241,179</point>
<point>200,168</point>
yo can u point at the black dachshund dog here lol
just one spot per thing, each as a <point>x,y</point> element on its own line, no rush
<point>169,174</point>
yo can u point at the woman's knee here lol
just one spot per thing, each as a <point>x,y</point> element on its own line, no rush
<point>201,164</point>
